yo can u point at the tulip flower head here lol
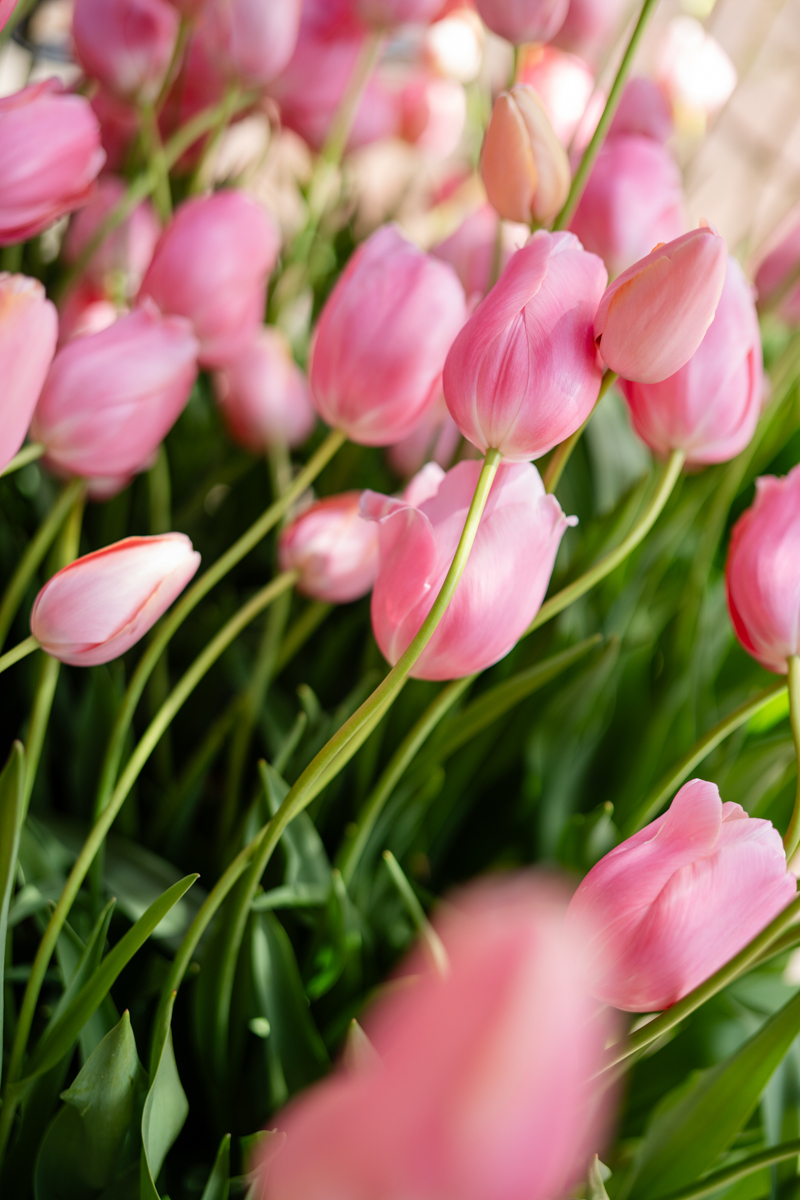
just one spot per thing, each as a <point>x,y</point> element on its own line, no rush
<point>334,548</point>
<point>126,44</point>
<point>28,333</point>
<point>680,898</point>
<point>102,604</point>
<point>524,166</point>
<point>252,40</point>
<point>521,21</point>
<point>120,262</point>
<point>264,396</point>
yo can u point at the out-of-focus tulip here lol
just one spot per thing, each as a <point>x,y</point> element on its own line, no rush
<point>199,84</point>
<point>778,276</point>
<point>264,395</point>
<point>471,249</point>
<point>434,438</point>
<point>432,115</point>
<point>211,265</point>
<point>119,125</point>
<point>102,604</point>
<point>382,339</point>
<point>762,573</point>
<point>28,332</point>
<point>680,898</point>
<point>524,20</point>
<point>500,591</point>
<point>385,14</point>
<point>653,316</point>
<point>111,397</point>
<point>524,374</point>
<point>126,44</point>
<point>524,166</point>
<point>565,85</point>
<point>643,109</point>
<point>693,68</point>
<point>6,9</point>
<point>334,548</point>
<point>253,40</point>
<point>590,26</point>
<point>454,45</point>
<point>632,202</point>
<point>120,262</point>
<point>50,154</point>
<point>481,1082</point>
<point>84,309</point>
<point>710,407</point>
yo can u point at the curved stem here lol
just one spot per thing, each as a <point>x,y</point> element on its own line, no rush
<point>27,454</point>
<point>21,650</point>
<point>561,454</point>
<point>792,838</point>
<point>740,1170</point>
<point>162,193</point>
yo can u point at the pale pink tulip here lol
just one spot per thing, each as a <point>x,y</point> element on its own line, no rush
<point>333,547</point>
<point>564,83</point>
<point>524,20</point>
<point>524,166</point>
<point>382,339</point>
<point>252,40</point>
<point>653,316</point>
<point>778,276</point>
<point>28,332</point>
<point>762,574</point>
<point>481,1088</point>
<point>6,9</point>
<point>385,14</point>
<point>264,396</point>
<point>50,155</point>
<point>211,265</point>
<point>471,250</point>
<point>590,26</point>
<point>643,109</point>
<point>434,438</point>
<point>119,264</point>
<point>501,589</point>
<point>126,44</point>
<point>432,114</point>
<point>633,201</point>
<point>680,898</point>
<point>523,374</point>
<point>102,604</point>
<point>693,68</point>
<point>111,397</point>
<point>84,309</point>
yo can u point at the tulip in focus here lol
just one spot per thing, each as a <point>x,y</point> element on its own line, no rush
<point>252,40</point>
<point>524,166</point>
<point>334,548</point>
<point>778,276</point>
<point>501,589</point>
<point>521,21</point>
<point>382,339</point>
<point>524,374</point>
<point>762,573</point>
<point>119,264</point>
<point>28,333</point>
<point>126,44</point>
<point>50,154</point>
<point>653,316</point>
<point>264,396</point>
<point>680,898</point>
<point>472,248</point>
<point>99,606</point>
<point>211,265</point>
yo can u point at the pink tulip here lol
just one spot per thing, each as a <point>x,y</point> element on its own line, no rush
<point>524,20</point>
<point>119,126</point>
<point>710,407</point>
<point>500,591</point>
<point>28,332</point>
<point>653,316</point>
<point>334,549</point>
<point>102,604</point>
<point>112,397</point>
<point>6,9</point>
<point>120,262</point>
<point>50,155</point>
<point>762,578</point>
<point>523,374</point>
<point>83,310</point>
<point>384,14</point>
<point>680,898</point>
<point>264,396</point>
<point>199,84</point>
<point>471,250</point>
<point>253,40</point>
<point>643,109</point>
<point>434,438</point>
<point>382,339</point>
<point>633,200</point>
<point>591,25</point>
<point>126,44</point>
<point>211,265</point>
<point>778,276</point>
<point>482,1085</point>
<point>432,114</point>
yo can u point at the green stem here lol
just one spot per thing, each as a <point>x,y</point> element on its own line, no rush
<point>740,1170</point>
<point>184,29</point>
<point>792,838</point>
<point>162,193</point>
<point>20,651</point>
<point>27,454</point>
<point>590,153</point>
<point>433,943</point>
<point>561,454</point>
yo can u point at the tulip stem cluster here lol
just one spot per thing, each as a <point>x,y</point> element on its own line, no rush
<point>792,838</point>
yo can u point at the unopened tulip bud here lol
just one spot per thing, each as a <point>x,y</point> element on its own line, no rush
<point>126,44</point>
<point>524,166</point>
<point>28,333</point>
<point>252,40</point>
<point>100,605</point>
<point>680,898</point>
<point>119,264</point>
<point>653,316</point>
<point>334,548</point>
<point>521,21</point>
<point>264,396</point>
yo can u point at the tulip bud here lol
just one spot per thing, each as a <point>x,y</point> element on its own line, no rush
<point>102,604</point>
<point>211,265</point>
<point>762,573</point>
<point>382,339</point>
<point>523,374</point>
<point>252,40</point>
<point>653,316</point>
<point>111,397</point>
<point>778,276</point>
<point>524,166</point>
<point>334,549</point>
<point>264,396</point>
<point>50,155</point>
<point>385,14</point>
<point>471,250</point>
<point>28,332</point>
<point>500,591</point>
<point>680,898</point>
<point>521,21</point>
<point>126,44</point>
<point>119,264</point>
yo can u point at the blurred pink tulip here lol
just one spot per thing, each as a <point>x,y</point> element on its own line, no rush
<point>632,201</point>
<point>762,574</point>
<point>211,265</point>
<point>432,114</point>
<point>434,438</point>
<point>591,26</point>
<point>382,339</point>
<point>264,396</point>
<point>334,548</point>
<point>655,314</point>
<point>120,262</point>
<point>778,276</point>
<point>481,1088</point>
<point>524,374</point>
<point>680,898</point>
<point>524,20</point>
<point>710,407</point>
<point>102,604</point>
<point>126,44</point>
<point>119,125</point>
<point>6,9</point>
<point>471,249</point>
<point>111,397</point>
<point>199,84</point>
<point>252,40</point>
<point>643,109</point>
<point>500,591</point>
<point>83,310</point>
<point>564,84</point>
<point>28,332</point>
<point>384,14</point>
<point>50,154</point>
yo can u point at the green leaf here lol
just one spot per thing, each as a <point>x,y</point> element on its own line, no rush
<point>598,1174</point>
<point>307,863</point>
<point>219,1181</point>
<point>165,1111</point>
<point>12,805</point>
<point>78,963</point>
<point>697,1121</point>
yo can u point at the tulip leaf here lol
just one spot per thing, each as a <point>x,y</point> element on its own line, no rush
<point>695,1123</point>
<point>12,807</point>
<point>78,963</point>
<point>306,860</point>
<point>163,1117</point>
<point>598,1174</point>
<point>219,1181</point>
